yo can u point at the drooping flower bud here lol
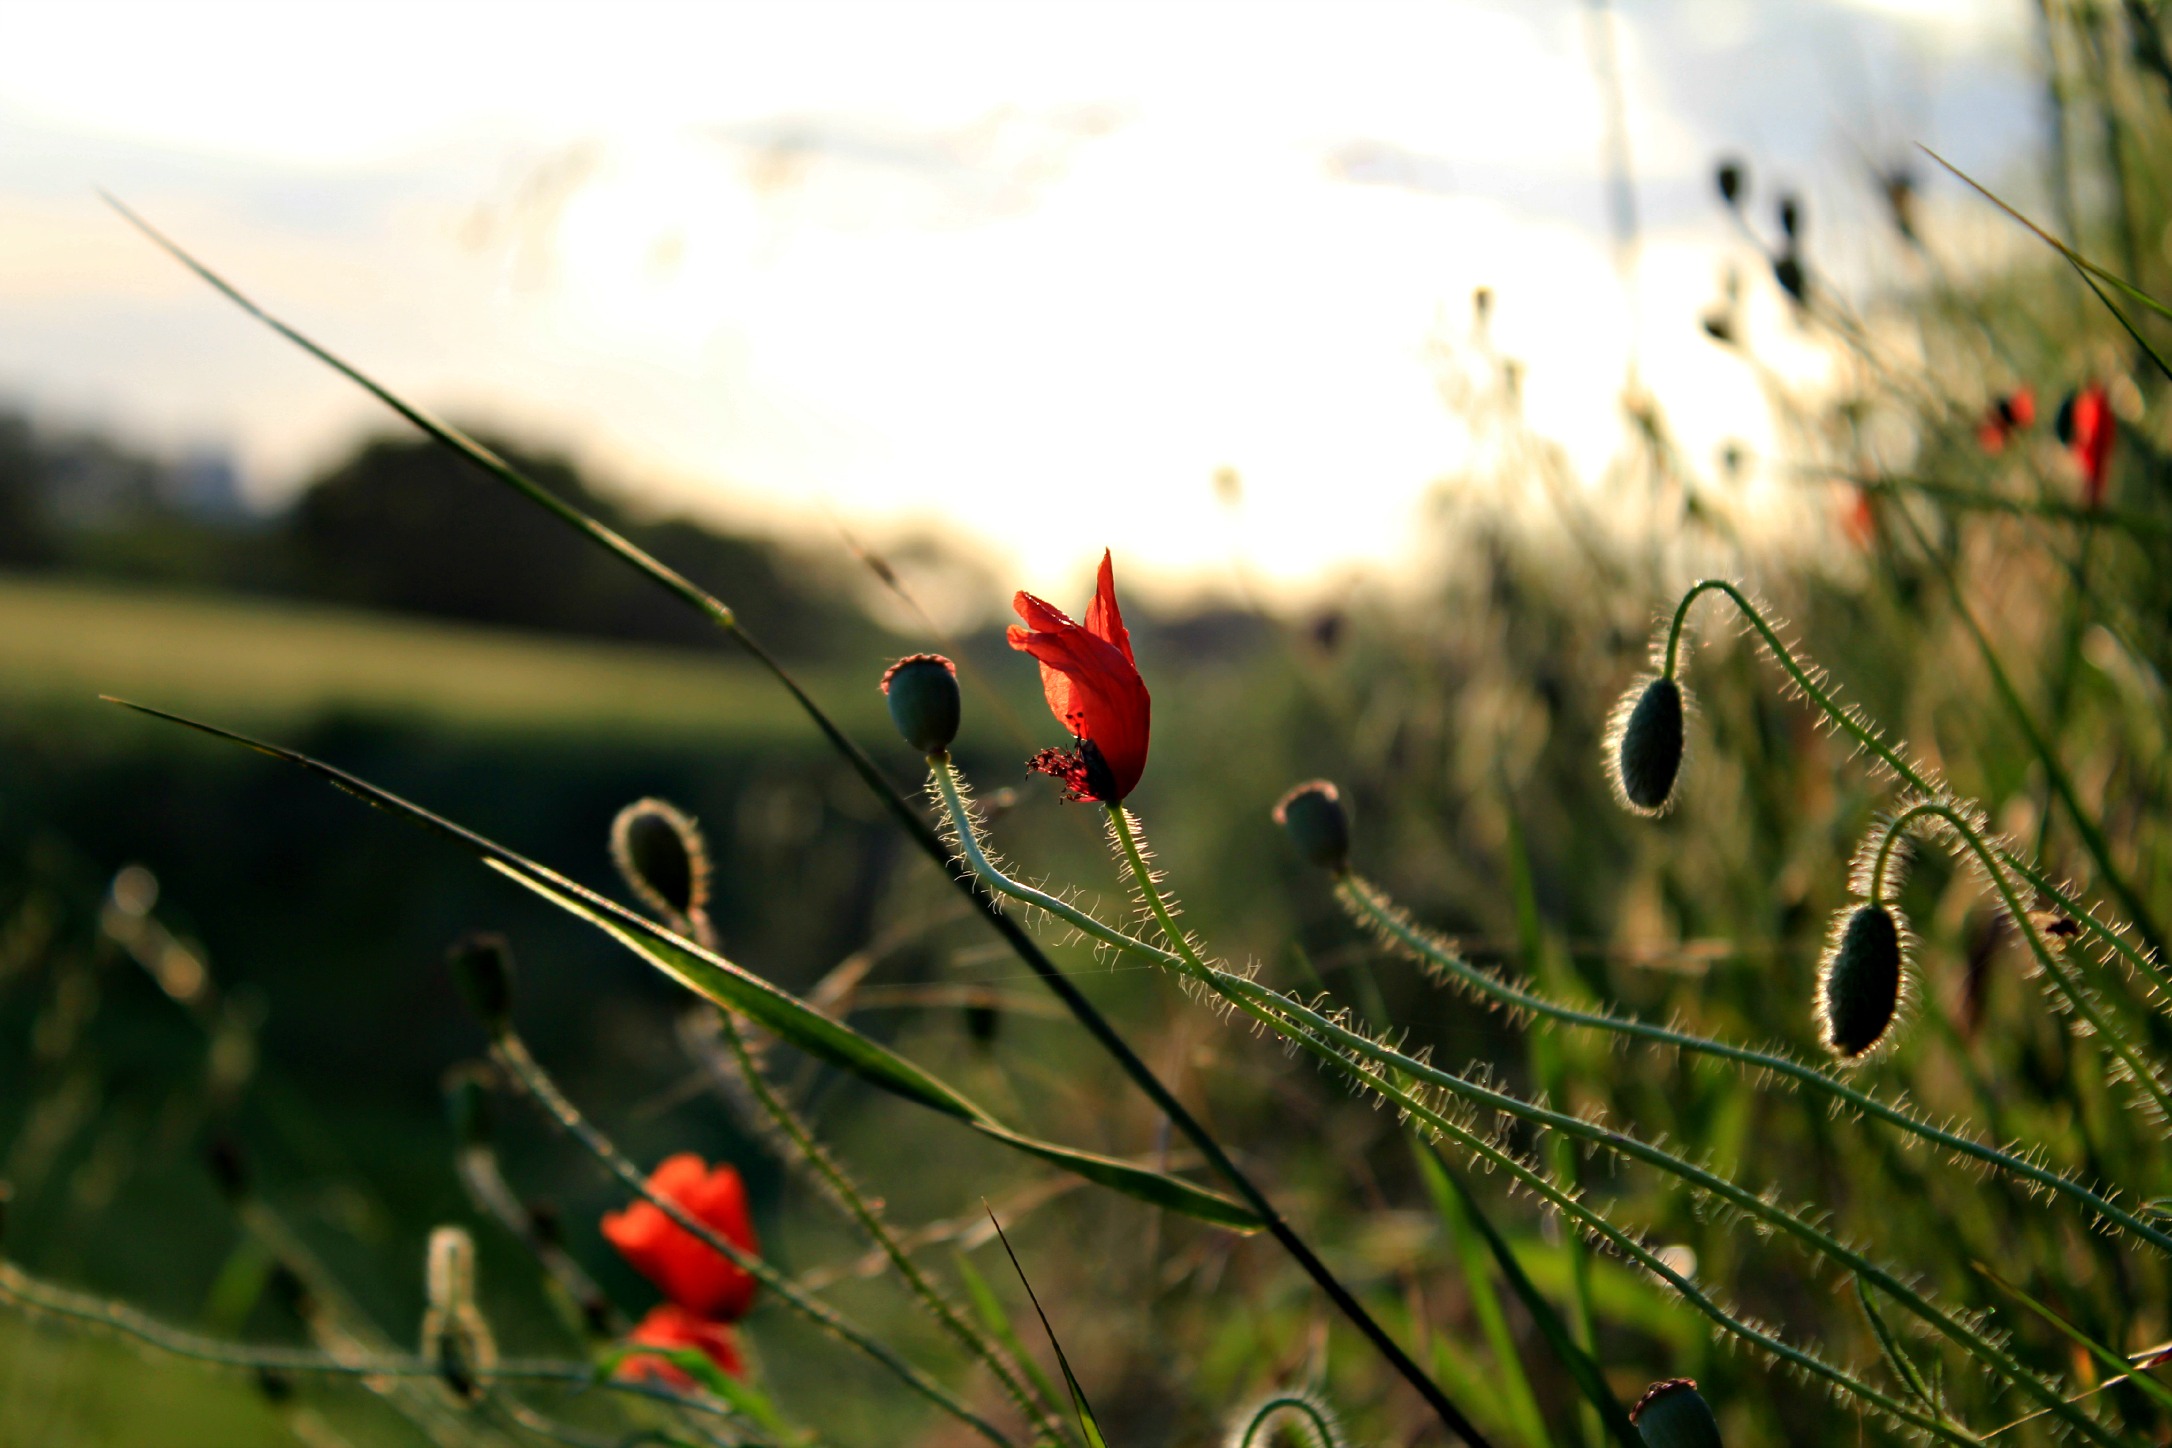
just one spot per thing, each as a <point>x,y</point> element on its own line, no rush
<point>1860,981</point>
<point>1647,737</point>
<point>922,692</point>
<point>1312,815</point>
<point>1731,176</point>
<point>1673,1414</point>
<point>454,1334</point>
<point>662,856</point>
<point>1791,217</point>
<point>482,967</point>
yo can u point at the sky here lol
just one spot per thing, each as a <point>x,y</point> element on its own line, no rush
<point>1027,275</point>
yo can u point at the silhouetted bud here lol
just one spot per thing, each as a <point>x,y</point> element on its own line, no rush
<point>482,966</point>
<point>1787,271</point>
<point>286,1287</point>
<point>1732,178</point>
<point>1647,735</point>
<point>982,1021</point>
<point>922,691</point>
<point>1673,1414</point>
<point>1791,217</point>
<point>660,852</point>
<point>467,1104</point>
<point>229,1171</point>
<point>1859,981</point>
<point>1900,201</point>
<point>1313,817</point>
<point>276,1386</point>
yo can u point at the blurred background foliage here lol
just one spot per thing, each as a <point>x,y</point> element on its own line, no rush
<point>280,987</point>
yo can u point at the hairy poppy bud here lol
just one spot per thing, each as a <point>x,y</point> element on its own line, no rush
<point>467,1105</point>
<point>1313,817</point>
<point>482,967</point>
<point>1859,981</point>
<point>922,692</point>
<point>1673,1414</point>
<point>661,854</point>
<point>1731,177</point>
<point>454,1334</point>
<point>1647,737</point>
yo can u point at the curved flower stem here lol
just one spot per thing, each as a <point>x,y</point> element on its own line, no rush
<point>1383,1068</point>
<point>19,1290</point>
<point>848,1198</point>
<point>1371,908</point>
<point>900,810</point>
<point>1992,863</point>
<point>1848,721</point>
<point>963,832</point>
<point>513,1054</point>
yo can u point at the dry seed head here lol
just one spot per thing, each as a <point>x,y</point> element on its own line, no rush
<point>1645,738</point>
<point>1863,981</point>
<point>1673,1414</point>
<point>661,854</point>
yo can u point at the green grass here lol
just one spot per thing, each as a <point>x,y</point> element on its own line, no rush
<point>274,662</point>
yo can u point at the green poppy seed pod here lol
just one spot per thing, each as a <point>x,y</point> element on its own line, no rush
<point>1859,981</point>
<point>1647,737</point>
<point>1313,817</point>
<point>661,854</point>
<point>1673,1414</point>
<point>482,967</point>
<point>922,691</point>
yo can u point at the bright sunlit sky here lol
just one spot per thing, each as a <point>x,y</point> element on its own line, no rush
<point>1029,271</point>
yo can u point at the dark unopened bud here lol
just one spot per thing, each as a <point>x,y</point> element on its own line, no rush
<point>482,966</point>
<point>1859,981</point>
<point>545,1225</point>
<point>1787,271</point>
<point>922,691</point>
<point>1673,1414</point>
<point>1732,178</point>
<point>1791,217</point>
<point>276,1386</point>
<point>1647,737</point>
<point>982,1022</point>
<point>467,1104</point>
<point>229,1169</point>
<point>660,852</point>
<point>1313,817</point>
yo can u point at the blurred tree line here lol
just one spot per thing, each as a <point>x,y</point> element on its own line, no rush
<point>398,524</point>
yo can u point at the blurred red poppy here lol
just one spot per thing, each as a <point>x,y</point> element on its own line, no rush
<point>694,1275</point>
<point>1093,689</point>
<point>671,1326</point>
<point>2015,412</point>
<point>2087,429</point>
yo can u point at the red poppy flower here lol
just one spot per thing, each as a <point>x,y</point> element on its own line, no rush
<point>671,1326</point>
<point>1093,689</point>
<point>2012,413</point>
<point>2087,429</point>
<point>689,1271</point>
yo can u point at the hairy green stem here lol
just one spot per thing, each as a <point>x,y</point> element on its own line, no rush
<point>1308,1028</point>
<point>512,1053</point>
<point>1370,907</point>
<point>2144,1073</point>
<point>1856,728</point>
<point>849,1200</point>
